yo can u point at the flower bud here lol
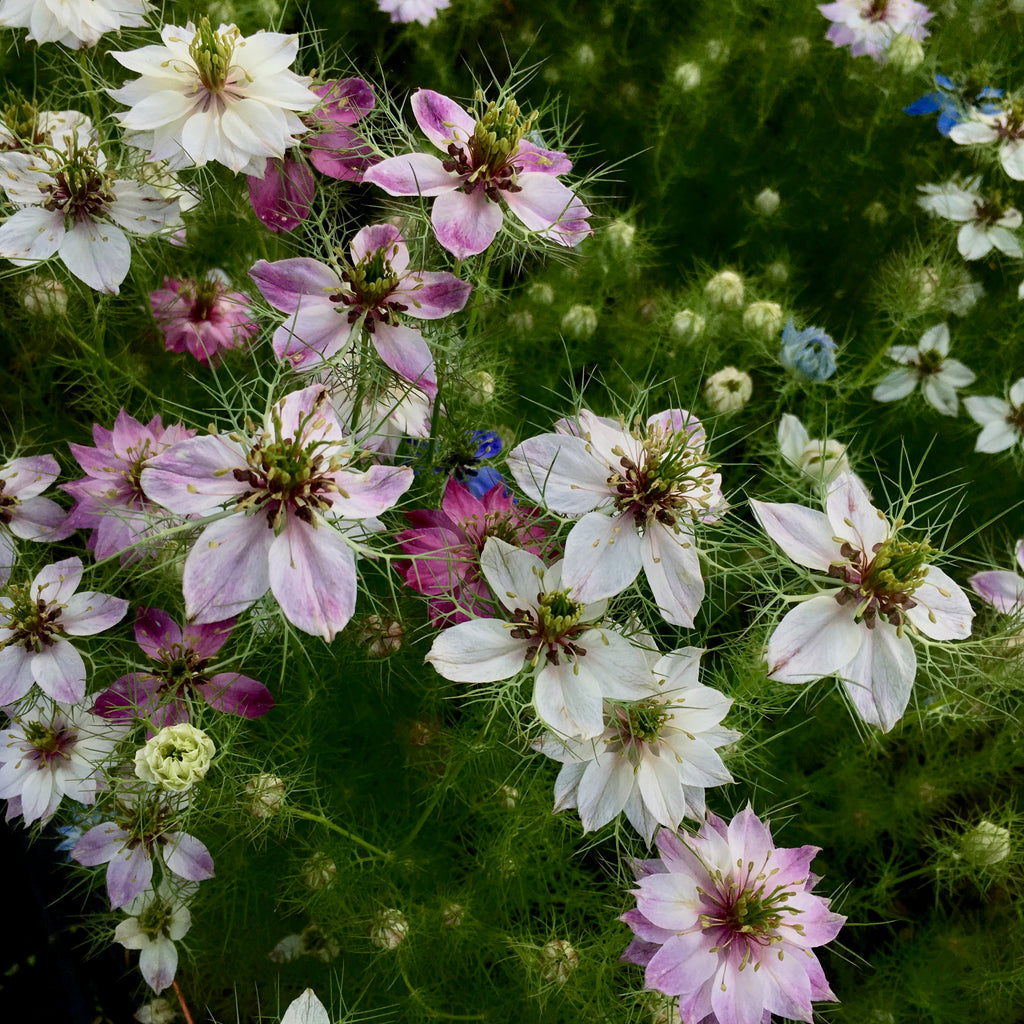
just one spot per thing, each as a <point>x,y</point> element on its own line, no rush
<point>44,296</point>
<point>716,50</point>
<point>876,213</point>
<point>520,322</point>
<point>479,388</point>
<point>620,235</point>
<point>725,289</point>
<point>809,355</point>
<point>777,272</point>
<point>389,929</point>
<point>290,948</point>
<point>763,318</point>
<point>264,795</point>
<point>509,795</point>
<point>381,637</point>
<point>318,871</point>
<point>584,56</point>
<point>986,844</point>
<point>904,53</point>
<point>157,1011</point>
<point>687,76</point>
<point>175,758</point>
<point>687,325</point>
<point>452,914</point>
<point>799,47</point>
<point>541,292</point>
<point>558,961</point>
<point>728,391</point>
<point>767,201</point>
<point>580,322</point>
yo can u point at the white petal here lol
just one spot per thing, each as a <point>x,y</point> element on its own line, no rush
<point>853,516</point>
<point>561,472</point>
<point>98,254</point>
<point>515,576</point>
<point>672,567</point>
<point>803,533</point>
<point>935,339</point>
<point>943,611</point>
<point>895,384</point>
<point>479,651</point>
<point>32,234</point>
<point>792,438</point>
<point>815,639</point>
<point>602,556</point>
<point>973,241</point>
<point>879,679</point>
<point>307,1009</point>
<point>941,395</point>
<point>997,437</point>
<point>955,373</point>
<point>568,700</point>
<point>985,409</point>
<point>603,789</point>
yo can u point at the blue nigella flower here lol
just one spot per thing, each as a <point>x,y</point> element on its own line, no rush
<point>463,461</point>
<point>810,354</point>
<point>952,105</point>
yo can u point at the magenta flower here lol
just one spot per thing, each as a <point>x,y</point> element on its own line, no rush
<point>289,495</point>
<point>869,26</point>
<point>33,623</point>
<point>1000,588</point>
<point>327,311</point>
<point>445,545</point>
<point>726,921</point>
<point>24,513</point>
<point>202,317</point>
<point>283,196</point>
<point>489,165</point>
<point>182,655</point>
<point>109,499</point>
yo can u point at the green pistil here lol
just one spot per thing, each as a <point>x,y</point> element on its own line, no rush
<point>33,622</point>
<point>930,362</point>
<point>207,292</point>
<point>498,133</point>
<point>20,119</point>
<point>156,919</point>
<point>373,278</point>
<point>899,567</point>
<point>752,916</point>
<point>43,738</point>
<point>557,614</point>
<point>646,721</point>
<point>211,52</point>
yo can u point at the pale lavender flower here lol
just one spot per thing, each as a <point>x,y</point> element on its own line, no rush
<point>24,513</point>
<point>1001,421</point>
<point>159,918</point>
<point>1000,588</point>
<point>423,11</point>
<point>726,922</point>
<point>870,26</point>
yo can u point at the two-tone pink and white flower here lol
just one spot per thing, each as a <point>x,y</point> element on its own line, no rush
<point>640,493</point>
<point>881,589</point>
<point>159,918</point>
<point>1001,421</point>
<point>1006,128</point>
<point>328,309</point>
<point>655,757</point>
<point>286,495</point>
<point>34,621</point>
<point>870,26</point>
<point>1002,589</point>
<point>927,363</point>
<point>24,512</point>
<point>77,24</point>
<point>987,224</point>
<point>818,461</point>
<point>489,166</point>
<point>575,663</point>
<point>389,410</point>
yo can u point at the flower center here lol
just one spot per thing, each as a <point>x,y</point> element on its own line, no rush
<point>21,121</point>
<point>205,294</point>
<point>8,503</point>
<point>138,455</point>
<point>156,919</point>
<point>930,362</point>
<point>370,282</point>
<point>211,53</point>
<point>552,628</point>
<point>989,211</point>
<point>876,10</point>
<point>646,720</point>
<point>48,742</point>
<point>79,189</point>
<point>35,622</point>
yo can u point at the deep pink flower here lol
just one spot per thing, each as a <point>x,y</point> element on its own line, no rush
<point>1001,588</point>
<point>327,311</point>
<point>109,499</point>
<point>182,655</point>
<point>489,165</point>
<point>445,545</point>
<point>869,26</point>
<point>726,921</point>
<point>291,496</point>
<point>23,511</point>
<point>283,196</point>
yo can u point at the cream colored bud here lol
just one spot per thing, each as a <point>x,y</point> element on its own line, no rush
<point>767,201</point>
<point>986,844</point>
<point>290,948</point>
<point>269,10</point>
<point>687,76</point>
<point>44,296</point>
<point>728,391</point>
<point>319,870</point>
<point>823,460</point>
<point>264,795</point>
<point>479,387</point>
<point>725,289</point>
<point>687,325</point>
<point>520,322</point>
<point>716,50</point>
<point>389,929</point>
<point>799,47</point>
<point>541,292</point>
<point>764,318</point>
<point>222,11</point>
<point>876,213</point>
<point>382,637</point>
<point>157,1011</point>
<point>176,758</point>
<point>777,272</point>
<point>509,796</point>
<point>452,914</point>
<point>580,322</point>
<point>620,235</point>
<point>904,53</point>
<point>558,961</point>
<point>584,56</point>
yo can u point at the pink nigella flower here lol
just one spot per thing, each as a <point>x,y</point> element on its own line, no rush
<point>202,317</point>
<point>291,496</point>
<point>445,545</point>
<point>283,196</point>
<point>159,918</point>
<point>109,499</point>
<point>489,165</point>
<point>640,493</point>
<point>882,587</point>
<point>1001,588</point>
<point>869,26</point>
<point>23,511</point>
<point>327,309</point>
<point>726,921</point>
<point>182,655</point>
<point>423,11</point>
<point>34,620</point>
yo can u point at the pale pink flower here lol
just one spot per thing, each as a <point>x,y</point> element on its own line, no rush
<point>1000,588</point>
<point>24,513</point>
<point>159,918</point>
<point>870,26</point>
<point>1002,421</point>
<point>75,23</point>
<point>859,629</point>
<point>726,922</point>
<point>423,11</point>
<point>489,165</point>
<point>640,492</point>
<point>291,495</point>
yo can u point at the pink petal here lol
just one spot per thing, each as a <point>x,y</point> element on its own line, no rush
<point>1001,589</point>
<point>87,613</point>
<point>155,631</point>
<point>27,477</point>
<point>465,224</point>
<point>804,534</point>
<point>57,582</point>
<point>815,639</point>
<point>672,567</point>
<point>404,351</point>
<point>853,516</point>
<point>682,964</point>
<point>432,295</point>
<point>377,237</point>
<point>441,119</point>
<point>542,161</point>
<point>186,856</point>
<point>196,475</point>
<point>40,519</point>
<point>551,209</point>
<point>128,874</point>
<point>60,672</point>
<point>99,844</point>
<point>236,695</point>
<point>158,962</point>
<point>602,556</point>
<point>289,284</point>
<point>366,495</point>
<point>316,332</point>
<point>282,198</point>
<point>16,676</point>
<point>414,174</point>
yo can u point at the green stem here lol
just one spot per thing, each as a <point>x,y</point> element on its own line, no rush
<point>438,1014</point>
<point>869,371</point>
<point>319,819</point>
<point>90,89</point>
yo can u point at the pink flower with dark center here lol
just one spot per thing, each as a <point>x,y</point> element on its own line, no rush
<point>282,198</point>
<point>328,308</point>
<point>182,654</point>
<point>1002,589</point>
<point>444,546</point>
<point>289,496</point>
<point>726,922</point>
<point>869,26</point>
<point>24,513</point>
<point>202,317</point>
<point>489,165</point>
<point>109,498</point>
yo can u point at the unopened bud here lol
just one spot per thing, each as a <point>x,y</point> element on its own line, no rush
<point>777,272</point>
<point>876,213</point>
<point>389,929</point>
<point>44,296</point>
<point>318,872</point>
<point>725,289</point>
<point>381,637</point>
<point>479,387</point>
<point>687,76</point>
<point>580,322</point>
<point>716,50</point>
<point>905,53</point>
<point>986,844</point>
<point>541,292</point>
<point>620,236</point>
<point>508,796</point>
<point>157,1011</point>
<point>728,391</point>
<point>520,322</point>
<point>767,201</point>
<point>799,47</point>
<point>764,318</point>
<point>558,961</point>
<point>451,915</point>
<point>687,325</point>
<point>264,795</point>
<point>584,56</point>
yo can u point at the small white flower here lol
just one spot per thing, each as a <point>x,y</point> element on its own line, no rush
<point>926,364</point>
<point>820,461</point>
<point>1006,127</point>
<point>75,23</point>
<point>158,920</point>
<point>1002,422</point>
<point>175,758</point>
<point>728,390</point>
<point>986,224</point>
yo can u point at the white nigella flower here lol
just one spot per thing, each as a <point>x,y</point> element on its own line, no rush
<point>158,918</point>
<point>576,664</point>
<point>70,206</point>
<point>220,96</point>
<point>75,23</point>
<point>49,751</point>
<point>306,1009</point>
<point>927,364</point>
<point>819,461</point>
<point>1002,422</point>
<point>1005,127</point>
<point>882,589</point>
<point>987,224</point>
<point>655,757</point>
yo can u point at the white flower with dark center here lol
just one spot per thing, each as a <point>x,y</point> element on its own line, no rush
<point>75,23</point>
<point>987,223</point>
<point>158,919</point>
<point>1005,128</point>
<point>1002,422</point>
<point>220,96</point>
<point>927,364</point>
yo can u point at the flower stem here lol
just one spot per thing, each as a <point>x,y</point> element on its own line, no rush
<point>184,1005</point>
<point>429,1010</point>
<point>90,90</point>
<point>350,836</point>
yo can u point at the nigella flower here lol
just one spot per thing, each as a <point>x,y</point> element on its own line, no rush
<point>576,664</point>
<point>927,363</point>
<point>1002,422</point>
<point>78,24</point>
<point>290,493</point>
<point>954,103</point>
<point>159,918</point>
<point>390,410</point>
<point>444,546</point>
<point>328,309</point>
<point>987,223</point>
<point>306,1009</point>
<point>726,922</point>
<point>641,492</point>
<point>109,499</point>
<point>49,751</point>
<point>881,588</point>
<point>24,513</point>
<point>202,317</point>
<point>870,26</point>
<point>182,654</point>
<point>221,96</point>
<point>283,196</point>
<point>423,11</point>
<point>820,461</point>
<point>655,757</point>
<point>1005,127</point>
<point>35,619</point>
<point>489,165</point>
<point>1000,588</point>
<point>809,354</point>
<point>463,462</point>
